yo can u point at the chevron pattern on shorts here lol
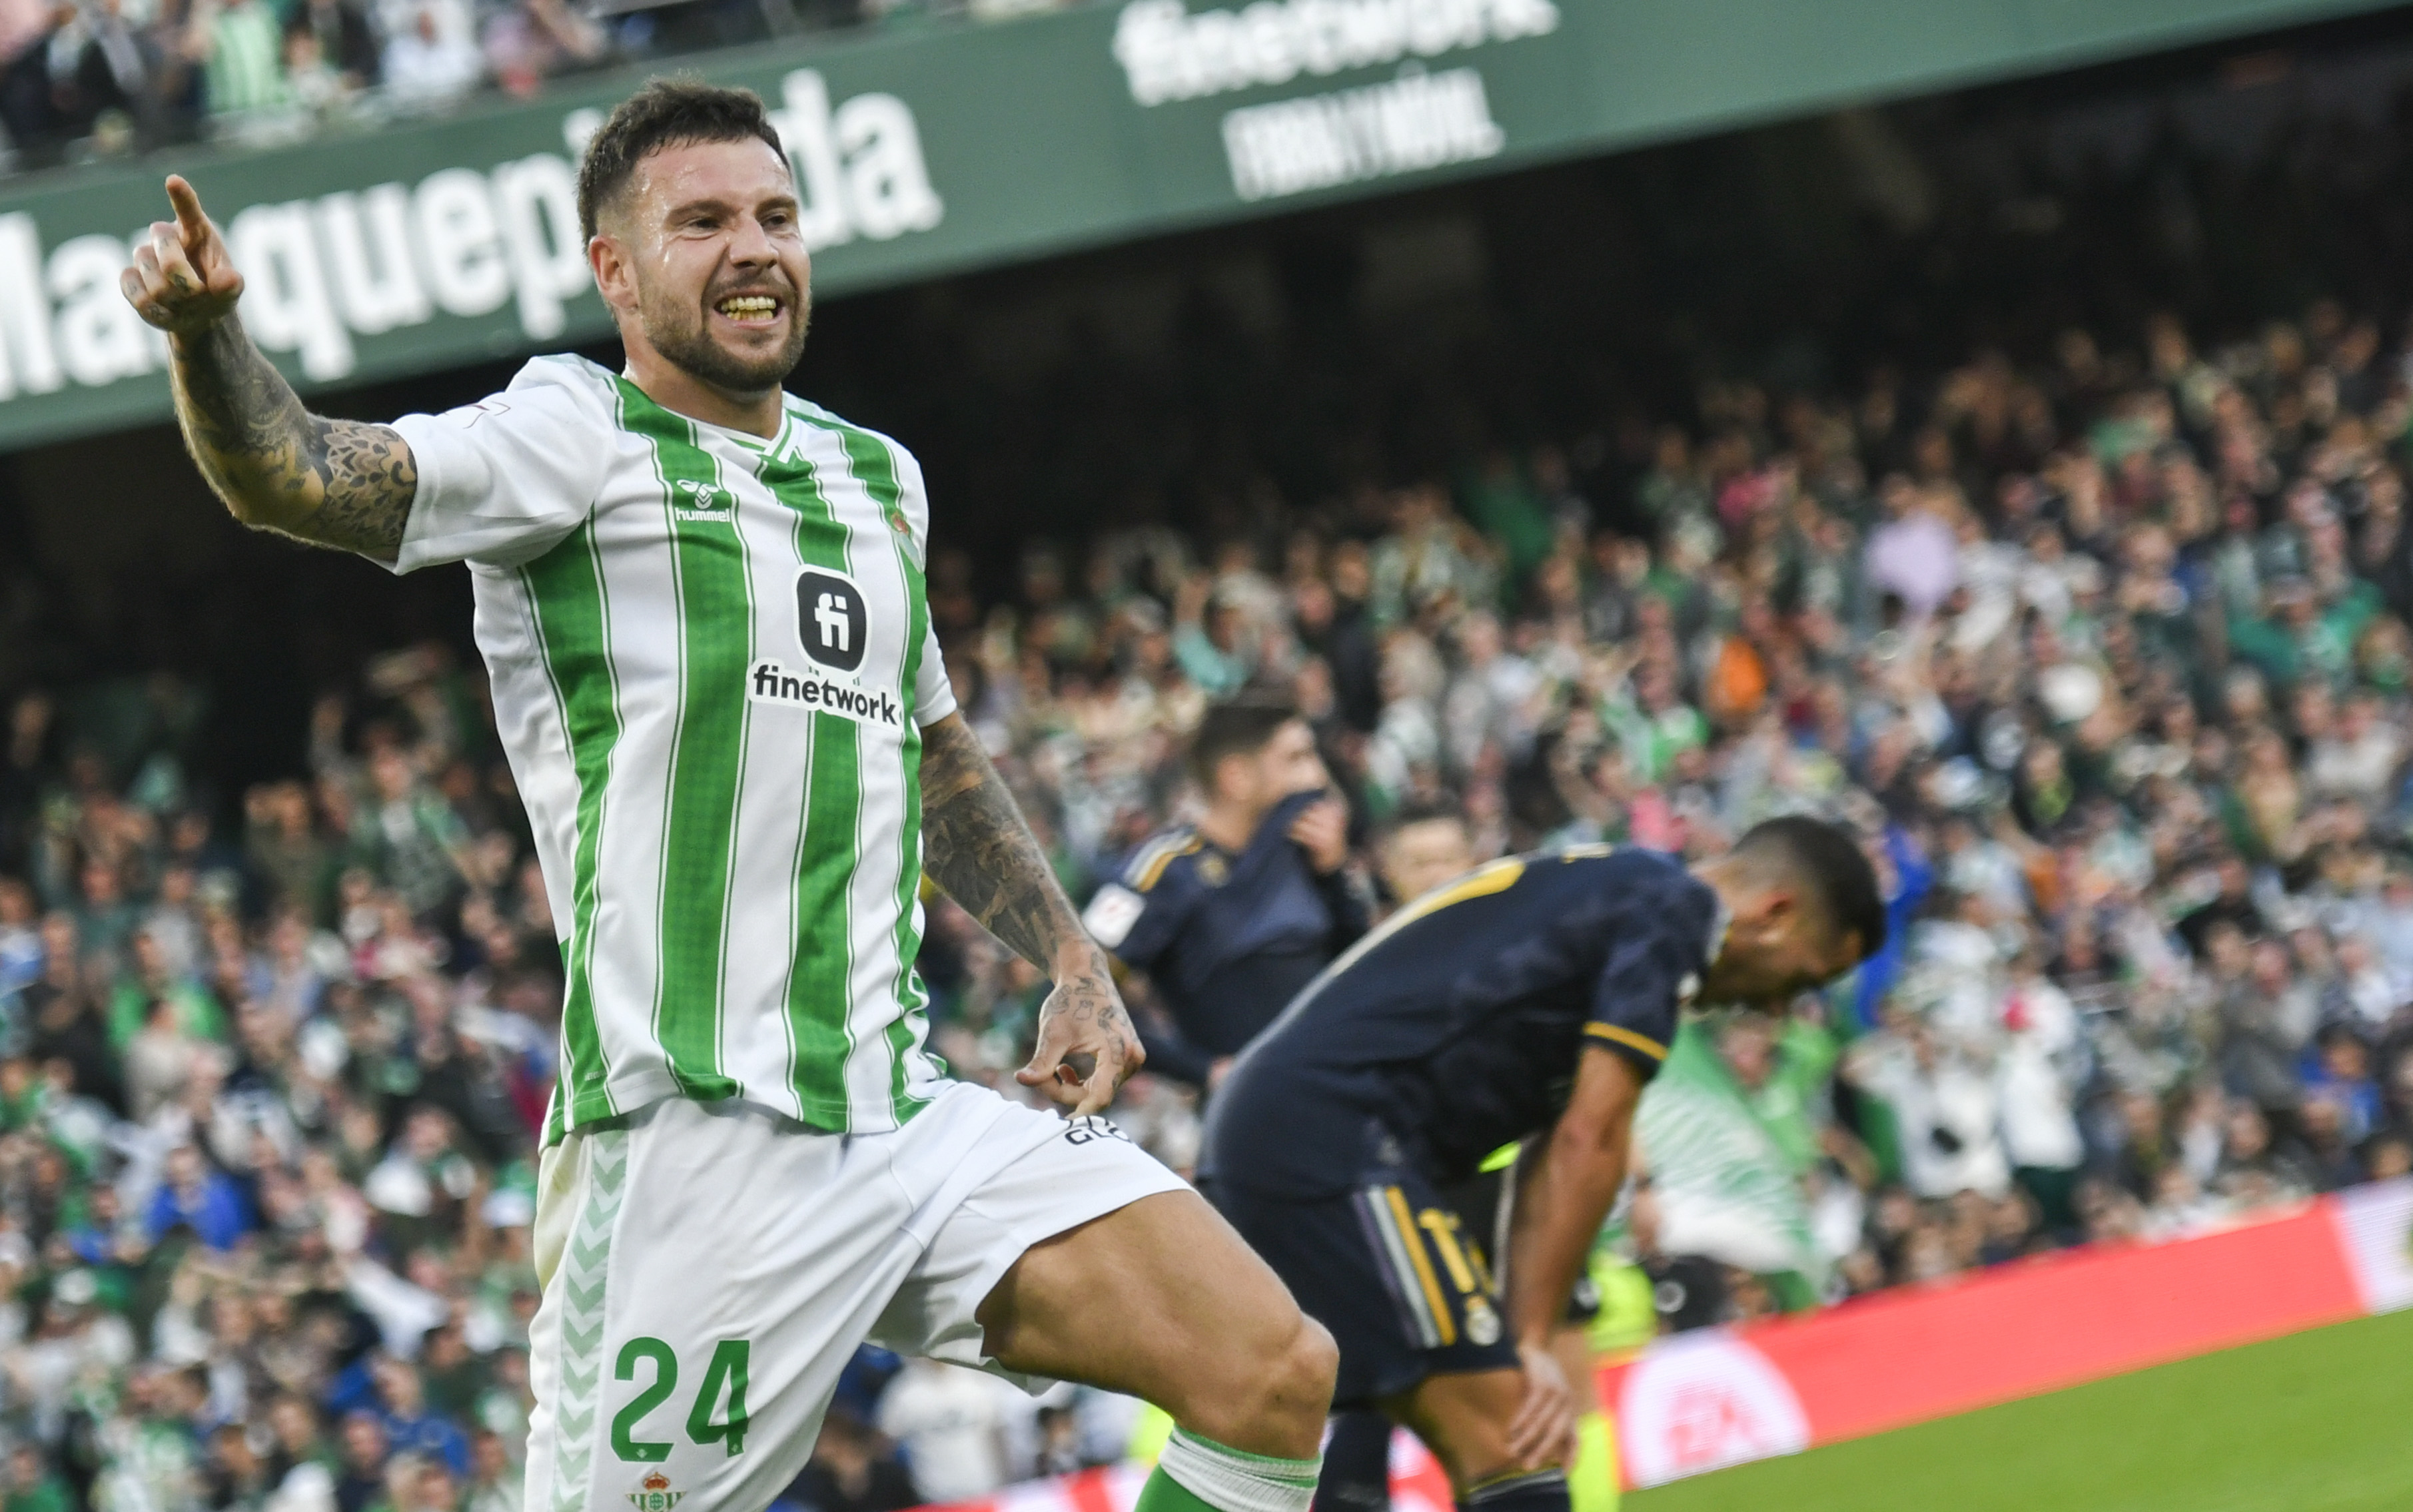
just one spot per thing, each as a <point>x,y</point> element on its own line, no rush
<point>585,1264</point>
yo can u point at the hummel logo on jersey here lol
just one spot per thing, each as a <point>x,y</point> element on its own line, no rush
<point>698,501</point>
<point>831,619</point>
<point>767,682</point>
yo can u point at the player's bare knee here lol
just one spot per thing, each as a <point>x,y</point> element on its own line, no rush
<point>1319,1361</point>
<point>1475,1457</point>
<point>1471,1447</point>
<point>1465,1420</point>
<point>1269,1394</point>
<point>1295,1384</point>
<point>1301,1377</point>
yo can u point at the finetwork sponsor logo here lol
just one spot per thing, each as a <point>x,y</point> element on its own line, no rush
<point>1416,121</point>
<point>768,682</point>
<point>1169,53</point>
<point>833,624</point>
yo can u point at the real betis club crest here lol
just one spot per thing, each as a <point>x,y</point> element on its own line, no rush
<point>655,1495</point>
<point>700,500</point>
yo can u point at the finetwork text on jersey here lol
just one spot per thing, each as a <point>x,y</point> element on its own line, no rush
<point>771,683</point>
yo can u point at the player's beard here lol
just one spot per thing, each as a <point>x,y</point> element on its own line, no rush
<point>681,333</point>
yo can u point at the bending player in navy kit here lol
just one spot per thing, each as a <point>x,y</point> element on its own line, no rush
<point>1529,1000</point>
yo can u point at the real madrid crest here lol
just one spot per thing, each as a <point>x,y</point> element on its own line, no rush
<point>1482,1322</point>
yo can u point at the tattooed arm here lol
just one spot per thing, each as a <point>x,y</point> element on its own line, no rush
<point>337,482</point>
<point>975,845</point>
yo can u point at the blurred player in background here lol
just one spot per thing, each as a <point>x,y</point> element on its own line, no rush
<point>1530,999</point>
<point>702,605</point>
<point>1231,916</point>
<point>1424,845</point>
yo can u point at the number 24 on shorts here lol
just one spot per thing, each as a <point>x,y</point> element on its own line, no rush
<point>725,1376</point>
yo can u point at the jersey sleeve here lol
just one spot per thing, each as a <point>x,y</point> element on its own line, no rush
<point>1653,972</point>
<point>934,696</point>
<point>501,481</point>
<point>1138,915</point>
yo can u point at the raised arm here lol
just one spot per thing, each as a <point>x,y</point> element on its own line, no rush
<point>334,483</point>
<point>975,845</point>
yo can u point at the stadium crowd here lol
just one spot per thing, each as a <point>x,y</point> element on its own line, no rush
<point>82,80</point>
<point>2101,653</point>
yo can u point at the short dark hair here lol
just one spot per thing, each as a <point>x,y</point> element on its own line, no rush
<point>667,112</point>
<point>1830,863</point>
<point>1426,811</point>
<point>1240,725</point>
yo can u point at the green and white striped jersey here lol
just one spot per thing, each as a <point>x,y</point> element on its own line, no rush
<point>711,658</point>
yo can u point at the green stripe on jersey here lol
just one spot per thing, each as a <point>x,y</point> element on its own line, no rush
<point>820,973</point>
<point>867,455</point>
<point>716,625</point>
<point>572,612</point>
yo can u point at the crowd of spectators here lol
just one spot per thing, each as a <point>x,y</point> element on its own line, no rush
<point>102,78</point>
<point>2099,649</point>
<point>2101,654</point>
<point>92,79</point>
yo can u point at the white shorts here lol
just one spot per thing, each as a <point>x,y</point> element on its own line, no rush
<point>711,1263</point>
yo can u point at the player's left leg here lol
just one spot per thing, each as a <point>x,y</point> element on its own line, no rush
<point>1162,1300</point>
<point>1085,1260</point>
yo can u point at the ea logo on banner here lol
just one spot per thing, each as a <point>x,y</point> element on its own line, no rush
<point>829,618</point>
<point>1704,1400</point>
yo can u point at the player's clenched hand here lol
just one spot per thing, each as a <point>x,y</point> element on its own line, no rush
<point>1321,830</point>
<point>1543,1432</point>
<point>182,280</point>
<point>1086,1046</point>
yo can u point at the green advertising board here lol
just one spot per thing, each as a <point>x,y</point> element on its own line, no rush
<point>431,243</point>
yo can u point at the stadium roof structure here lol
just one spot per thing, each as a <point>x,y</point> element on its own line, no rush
<point>433,243</point>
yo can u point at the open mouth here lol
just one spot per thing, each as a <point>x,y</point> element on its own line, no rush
<point>749,309</point>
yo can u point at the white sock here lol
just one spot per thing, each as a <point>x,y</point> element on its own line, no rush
<point>1231,1481</point>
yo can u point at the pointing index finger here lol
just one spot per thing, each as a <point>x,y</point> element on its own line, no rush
<point>189,218</point>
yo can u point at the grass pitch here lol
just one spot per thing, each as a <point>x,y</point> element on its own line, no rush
<point>2316,1422</point>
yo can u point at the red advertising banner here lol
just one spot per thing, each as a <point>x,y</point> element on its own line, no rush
<point>1702,1400</point>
